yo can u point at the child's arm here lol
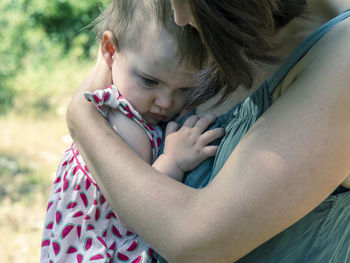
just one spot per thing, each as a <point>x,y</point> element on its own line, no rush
<point>186,148</point>
<point>131,133</point>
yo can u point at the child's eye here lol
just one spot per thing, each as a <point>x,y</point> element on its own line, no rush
<point>184,90</point>
<point>149,82</point>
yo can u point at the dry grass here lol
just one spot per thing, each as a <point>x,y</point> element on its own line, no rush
<point>30,150</point>
<point>32,143</point>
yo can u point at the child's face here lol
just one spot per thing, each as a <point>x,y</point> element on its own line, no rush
<point>151,78</point>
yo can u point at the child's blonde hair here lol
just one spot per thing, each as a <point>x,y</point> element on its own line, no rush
<point>120,14</point>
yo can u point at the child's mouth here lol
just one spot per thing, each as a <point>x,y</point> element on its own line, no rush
<point>158,117</point>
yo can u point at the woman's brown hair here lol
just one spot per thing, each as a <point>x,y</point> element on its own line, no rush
<point>236,33</point>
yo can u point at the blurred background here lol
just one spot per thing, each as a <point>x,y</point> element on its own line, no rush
<point>46,49</point>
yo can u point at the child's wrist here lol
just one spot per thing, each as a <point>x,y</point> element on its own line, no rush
<point>169,166</point>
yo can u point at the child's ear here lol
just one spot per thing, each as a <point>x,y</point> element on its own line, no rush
<point>109,46</point>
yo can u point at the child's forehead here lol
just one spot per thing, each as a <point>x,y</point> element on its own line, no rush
<point>161,63</point>
<point>151,39</point>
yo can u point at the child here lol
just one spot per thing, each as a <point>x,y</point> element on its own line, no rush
<point>153,70</point>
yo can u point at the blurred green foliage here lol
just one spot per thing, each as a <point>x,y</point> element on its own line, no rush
<point>36,35</point>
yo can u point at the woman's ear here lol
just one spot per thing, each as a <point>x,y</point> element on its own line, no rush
<point>109,46</point>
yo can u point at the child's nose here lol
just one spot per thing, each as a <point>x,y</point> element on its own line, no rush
<point>164,101</point>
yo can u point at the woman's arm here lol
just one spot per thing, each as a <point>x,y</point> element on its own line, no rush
<point>291,160</point>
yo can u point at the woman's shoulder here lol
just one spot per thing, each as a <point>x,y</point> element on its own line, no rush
<point>328,61</point>
<point>336,40</point>
<point>324,58</point>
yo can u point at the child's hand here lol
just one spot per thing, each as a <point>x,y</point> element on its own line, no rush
<point>188,146</point>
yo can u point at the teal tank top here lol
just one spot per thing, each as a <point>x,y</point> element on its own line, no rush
<point>323,235</point>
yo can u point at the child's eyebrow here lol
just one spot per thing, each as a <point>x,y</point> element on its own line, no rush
<point>143,74</point>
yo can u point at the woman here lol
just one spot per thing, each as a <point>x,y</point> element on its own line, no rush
<point>282,175</point>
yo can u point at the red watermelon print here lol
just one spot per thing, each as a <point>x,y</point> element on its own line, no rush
<point>75,170</point>
<point>87,184</point>
<point>58,179</point>
<point>102,241</point>
<point>78,231</point>
<point>80,258</point>
<point>77,214</point>
<point>116,232</point>
<point>128,109</point>
<point>96,99</point>
<point>45,243</point>
<point>65,184</point>
<point>122,257</point>
<point>129,116</point>
<point>71,250</point>
<point>49,205</point>
<point>149,126</point>
<point>84,199</point>
<point>71,204</point>
<point>111,214</point>
<point>58,190</point>
<point>138,260</point>
<point>58,217</point>
<point>112,247</point>
<point>90,227</point>
<point>97,214</point>
<point>88,243</point>
<point>159,141</point>
<point>56,248</point>
<point>96,257</point>
<point>49,225</point>
<point>77,187</point>
<point>106,96</point>
<point>102,200</point>
<point>133,246</point>
<point>66,230</point>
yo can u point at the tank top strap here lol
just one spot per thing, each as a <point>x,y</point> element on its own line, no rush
<point>300,51</point>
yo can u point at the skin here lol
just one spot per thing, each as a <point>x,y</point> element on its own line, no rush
<point>289,176</point>
<point>150,76</point>
<point>156,82</point>
<point>182,13</point>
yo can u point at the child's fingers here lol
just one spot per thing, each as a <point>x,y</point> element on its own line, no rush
<point>171,127</point>
<point>210,151</point>
<point>190,121</point>
<point>203,123</point>
<point>211,135</point>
